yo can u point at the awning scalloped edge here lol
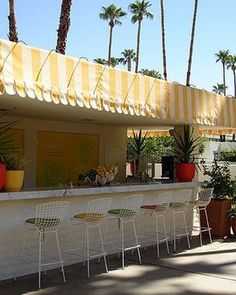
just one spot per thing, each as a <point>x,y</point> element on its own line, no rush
<point>51,77</point>
<point>74,97</point>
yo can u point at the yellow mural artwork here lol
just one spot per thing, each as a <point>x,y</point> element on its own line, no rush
<point>61,157</point>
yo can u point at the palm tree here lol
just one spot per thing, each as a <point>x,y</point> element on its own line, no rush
<point>12,22</point>
<point>114,61</point>
<point>151,73</point>
<point>128,55</point>
<point>191,44</point>
<point>222,56</point>
<point>231,64</point>
<point>163,39</point>
<point>218,88</point>
<point>101,61</point>
<point>112,14</point>
<point>64,26</point>
<point>139,9</point>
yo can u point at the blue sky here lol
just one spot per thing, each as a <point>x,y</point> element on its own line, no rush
<point>37,22</point>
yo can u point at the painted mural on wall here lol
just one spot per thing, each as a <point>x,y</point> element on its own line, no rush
<point>61,157</point>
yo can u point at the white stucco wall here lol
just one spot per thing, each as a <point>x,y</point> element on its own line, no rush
<point>212,147</point>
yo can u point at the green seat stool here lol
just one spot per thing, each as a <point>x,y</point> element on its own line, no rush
<point>48,219</point>
<point>130,207</point>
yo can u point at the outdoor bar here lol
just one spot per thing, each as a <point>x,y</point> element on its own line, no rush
<point>73,115</point>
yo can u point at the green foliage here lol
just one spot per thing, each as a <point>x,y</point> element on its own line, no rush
<point>220,180</point>
<point>219,88</point>
<point>139,9</point>
<point>231,62</point>
<point>112,14</point>
<point>229,156</point>
<point>150,148</point>
<point>128,55</point>
<point>114,61</point>
<point>151,73</point>
<point>15,161</point>
<point>222,56</point>
<point>186,146</point>
<point>100,60</point>
<point>158,147</point>
<point>137,146</point>
<point>232,211</point>
<point>7,143</point>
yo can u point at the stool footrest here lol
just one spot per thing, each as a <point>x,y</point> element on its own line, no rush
<point>132,247</point>
<point>97,255</point>
<point>51,263</point>
<point>202,229</point>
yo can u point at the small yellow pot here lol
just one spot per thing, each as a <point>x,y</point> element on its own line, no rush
<point>14,180</point>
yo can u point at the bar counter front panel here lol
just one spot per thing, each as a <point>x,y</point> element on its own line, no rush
<point>16,207</point>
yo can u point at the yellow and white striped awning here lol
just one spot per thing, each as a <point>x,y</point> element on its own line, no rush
<point>216,131</point>
<point>165,132</point>
<point>51,77</point>
<point>150,133</point>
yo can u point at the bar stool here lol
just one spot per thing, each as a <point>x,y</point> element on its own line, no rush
<point>91,219</point>
<point>158,211</point>
<point>204,198</point>
<point>178,207</point>
<point>130,206</point>
<point>48,219</point>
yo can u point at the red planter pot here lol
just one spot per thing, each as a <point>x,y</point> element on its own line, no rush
<point>185,172</point>
<point>132,166</point>
<point>2,175</point>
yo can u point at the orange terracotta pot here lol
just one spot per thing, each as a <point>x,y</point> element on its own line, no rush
<point>218,215</point>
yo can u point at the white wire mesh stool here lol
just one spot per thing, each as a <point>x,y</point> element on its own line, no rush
<point>126,214</point>
<point>91,219</point>
<point>178,207</point>
<point>204,198</point>
<point>158,211</point>
<point>48,219</point>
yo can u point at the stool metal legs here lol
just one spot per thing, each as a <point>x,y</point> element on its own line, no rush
<point>207,228</point>
<point>185,228</point>
<point>165,235</point>
<point>87,247</point>
<point>136,246</point>
<point>40,264</point>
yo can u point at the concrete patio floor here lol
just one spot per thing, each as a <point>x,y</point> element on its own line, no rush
<point>210,269</point>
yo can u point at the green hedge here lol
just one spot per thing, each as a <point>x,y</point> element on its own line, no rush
<point>228,156</point>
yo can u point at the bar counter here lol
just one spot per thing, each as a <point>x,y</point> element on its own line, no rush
<point>42,193</point>
<point>16,207</point>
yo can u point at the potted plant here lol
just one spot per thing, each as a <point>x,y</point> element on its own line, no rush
<point>6,144</point>
<point>185,150</point>
<point>232,215</point>
<point>137,147</point>
<point>15,164</point>
<point>224,191</point>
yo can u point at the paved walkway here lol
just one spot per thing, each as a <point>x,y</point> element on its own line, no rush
<point>210,269</point>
